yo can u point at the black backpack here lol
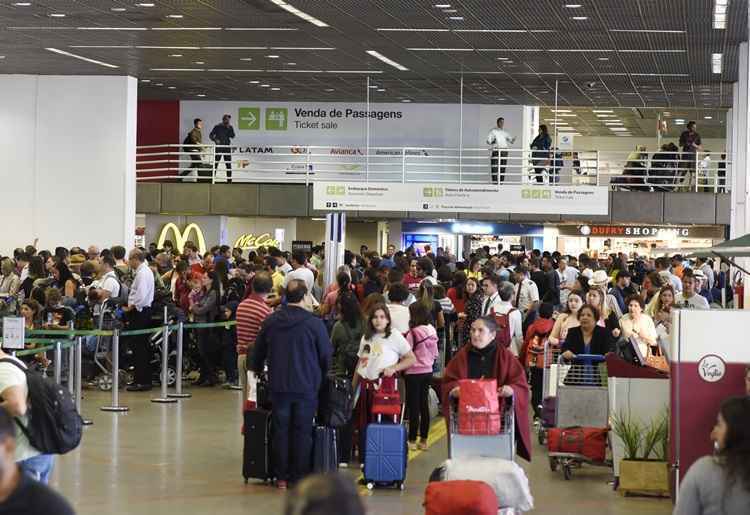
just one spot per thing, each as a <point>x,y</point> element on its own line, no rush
<point>55,427</point>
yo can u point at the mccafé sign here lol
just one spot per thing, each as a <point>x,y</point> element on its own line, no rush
<point>644,231</point>
<point>251,241</point>
<point>181,237</point>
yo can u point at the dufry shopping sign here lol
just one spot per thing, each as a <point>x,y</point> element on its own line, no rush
<point>181,237</point>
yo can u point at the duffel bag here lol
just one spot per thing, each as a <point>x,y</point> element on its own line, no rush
<point>589,442</point>
<point>464,497</point>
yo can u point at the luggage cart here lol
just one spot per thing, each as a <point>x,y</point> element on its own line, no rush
<point>582,401</point>
<point>106,320</point>
<point>549,388</point>
<point>500,445</point>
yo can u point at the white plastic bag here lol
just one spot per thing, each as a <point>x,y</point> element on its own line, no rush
<point>434,404</point>
<point>505,477</point>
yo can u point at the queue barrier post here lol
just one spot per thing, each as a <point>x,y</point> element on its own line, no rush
<point>77,351</point>
<point>115,406</point>
<point>163,396</point>
<point>58,362</point>
<point>178,393</point>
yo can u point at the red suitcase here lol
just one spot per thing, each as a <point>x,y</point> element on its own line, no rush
<point>464,497</point>
<point>589,442</point>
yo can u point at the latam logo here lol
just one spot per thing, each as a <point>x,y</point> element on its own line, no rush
<point>255,150</point>
<point>711,368</point>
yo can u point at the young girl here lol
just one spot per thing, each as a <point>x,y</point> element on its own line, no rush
<point>423,340</point>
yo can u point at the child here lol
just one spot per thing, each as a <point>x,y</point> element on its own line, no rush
<point>445,302</point>
<point>532,353</point>
<point>196,293</point>
<point>423,339</point>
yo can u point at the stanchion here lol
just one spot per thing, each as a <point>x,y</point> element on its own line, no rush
<point>178,376</point>
<point>78,378</point>
<point>163,397</point>
<point>71,366</point>
<point>58,362</point>
<point>115,406</point>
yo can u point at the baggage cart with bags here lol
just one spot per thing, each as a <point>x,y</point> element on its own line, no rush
<point>582,394</point>
<point>573,446</point>
<point>550,358</point>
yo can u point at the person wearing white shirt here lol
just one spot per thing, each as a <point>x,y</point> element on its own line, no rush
<point>140,297</point>
<point>505,307</point>
<point>526,294</point>
<point>501,140</point>
<point>689,298</point>
<point>568,276</point>
<point>108,285</point>
<point>490,285</point>
<point>704,267</point>
<point>300,271</point>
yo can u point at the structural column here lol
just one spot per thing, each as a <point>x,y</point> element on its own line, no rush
<point>335,244</point>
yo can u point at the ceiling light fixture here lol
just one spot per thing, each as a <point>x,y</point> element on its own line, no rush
<point>265,85</point>
<point>22,4</point>
<point>75,56</point>
<point>649,31</point>
<point>261,28</point>
<point>201,95</point>
<point>329,90</point>
<point>175,16</point>
<point>442,6</point>
<point>177,70</point>
<point>275,89</point>
<point>171,87</point>
<point>272,56</point>
<point>145,4</point>
<point>175,55</point>
<point>456,18</point>
<point>118,9</point>
<point>602,111</point>
<point>411,30</point>
<point>111,28</point>
<point>406,101</point>
<point>391,62</point>
<point>148,47</point>
<point>708,117</point>
<point>560,110</point>
<point>293,10</point>
<point>199,62</point>
<point>354,71</point>
<point>185,28</point>
<point>234,70</point>
<point>720,13</point>
<point>57,15</point>
<point>716,62</point>
<point>573,6</point>
<point>579,18</point>
<point>145,80</point>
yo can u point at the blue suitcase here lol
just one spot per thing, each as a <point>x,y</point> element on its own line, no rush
<point>386,455</point>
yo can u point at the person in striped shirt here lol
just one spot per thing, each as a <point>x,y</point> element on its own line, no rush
<point>250,315</point>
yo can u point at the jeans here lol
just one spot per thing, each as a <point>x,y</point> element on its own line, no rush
<point>292,424</point>
<point>39,467</point>
<point>418,404</point>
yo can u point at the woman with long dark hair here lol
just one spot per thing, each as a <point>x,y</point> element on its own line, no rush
<point>206,310</point>
<point>37,274</point>
<point>540,152</point>
<point>473,309</point>
<point>720,484</point>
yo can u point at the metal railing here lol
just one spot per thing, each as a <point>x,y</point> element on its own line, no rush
<point>663,171</point>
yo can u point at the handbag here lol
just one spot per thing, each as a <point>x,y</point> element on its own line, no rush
<point>657,361</point>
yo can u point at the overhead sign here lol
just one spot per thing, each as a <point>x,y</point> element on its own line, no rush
<point>14,329</point>
<point>251,241</point>
<point>715,232</point>
<point>181,237</point>
<point>464,198</point>
<point>302,246</point>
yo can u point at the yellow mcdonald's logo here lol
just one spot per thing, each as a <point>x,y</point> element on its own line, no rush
<point>180,237</point>
<point>251,241</point>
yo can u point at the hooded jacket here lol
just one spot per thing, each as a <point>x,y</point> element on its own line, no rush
<point>295,343</point>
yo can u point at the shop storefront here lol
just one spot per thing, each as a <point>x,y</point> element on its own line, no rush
<point>643,239</point>
<point>466,236</point>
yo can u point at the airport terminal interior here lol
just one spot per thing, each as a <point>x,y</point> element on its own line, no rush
<point>374,256</point>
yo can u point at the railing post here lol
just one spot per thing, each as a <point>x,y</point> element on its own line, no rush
<point>697,171</point>
<point>597,168</point>
<point>71,365</point>
<point>403,166</point>
<point>307,166</point>
<point>115,406</point>
<point>58,362</point>
<point>163,397</point>
<point>78,378</point>
<point>178,375</point>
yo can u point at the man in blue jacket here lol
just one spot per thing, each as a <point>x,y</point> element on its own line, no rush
<point>222,135</point>
<point>296,345</point>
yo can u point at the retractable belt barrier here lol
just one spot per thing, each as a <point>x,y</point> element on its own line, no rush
<point>73,339</point>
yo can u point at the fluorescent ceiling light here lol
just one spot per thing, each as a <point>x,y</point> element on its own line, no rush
<point>567,115</point>
<point>22,4</point>
<point>275,89</point>
<point>75,56</point>
<point>262,28</point>
<point>118,9</point>
<point>111,28</point>
<point>456,18</point>
<point>602,111</point>
<point>618,129</point>
<point>233,48</point>
<point>145,4</point>
<point>149,47</point>
<point>294,71</point>
<point>493,31</point>
<point>293,10</point>
<point>560,110</point>
<point>57,15</point>
<point>233,70</point>
<point>175,16</point>
<point>171,87</point>
<point>354,71</point>
<point>605,116</point>
<point>381,90</point>
<point>441,49</point>
<point>450,11</point>
<point>311,48</point>
<point>200,95</point>
<point>406,101</point>
<point>573,6</point>
<point>579,18</point>
<point>246,59</point>
<point>329,90</point>
<point>177,70</point>
<point>265,85</point>
<point>659,51</point>
<point>411,30</point>
<point>649,31</point>
<point>199,62</point>
<point>720,14</point>
<point>378,55</point>
<point>145,80</point>
<point>442,6</point>
<point>716,62</point>
<point>708,117</point>
<point>272,56</point>
<point>100,46</point>
<point>186,28</point>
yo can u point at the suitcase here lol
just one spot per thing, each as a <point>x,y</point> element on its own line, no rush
<point>464,497</point>
<point>256,455</point>
<point>585,441</point>
<point>549,408</point>
<point>325,454</point>
<point>386,455</point>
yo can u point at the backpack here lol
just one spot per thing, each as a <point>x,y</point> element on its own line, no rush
<point>55,427</point>
<point>503,336</point>
<point>122,297</point>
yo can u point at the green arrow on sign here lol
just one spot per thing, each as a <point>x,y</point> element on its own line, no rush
<point>249,119</point>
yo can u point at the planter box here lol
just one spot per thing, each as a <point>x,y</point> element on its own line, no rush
<point>644,476</point>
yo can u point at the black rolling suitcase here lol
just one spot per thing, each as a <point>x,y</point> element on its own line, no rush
<point>325,454</point>
<point>256,455</point>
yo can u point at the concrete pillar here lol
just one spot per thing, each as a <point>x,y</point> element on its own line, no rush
<point>335,244</point>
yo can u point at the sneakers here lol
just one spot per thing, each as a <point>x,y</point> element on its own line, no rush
<point>282,485</point>
<point>422,446</point>
<point>412,446</point>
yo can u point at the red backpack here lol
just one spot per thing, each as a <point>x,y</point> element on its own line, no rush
<point>504,335</point>
<point>464,497</point>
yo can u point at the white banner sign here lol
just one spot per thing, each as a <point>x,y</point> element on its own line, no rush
<point>13,333</point>
<point>464,198</point>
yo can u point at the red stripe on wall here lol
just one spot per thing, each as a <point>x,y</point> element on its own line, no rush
<point>158,124</point>
<point>699,403</point>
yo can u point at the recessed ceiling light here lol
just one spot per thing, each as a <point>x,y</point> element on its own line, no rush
<point>442,6</point>
<point>716,63</point>
<point>291,64</point>
<point>199,62</point>
<point>201,95</point>
<point>386,60</point>
<point>145,4</point>
<point>456,18</point>
<point>246,59</point>
<point>171,87</point>
<point>708,117</point>
<point>159,84</point>
<point>118,9</point>
<point>293,10</point>
<point>602,111</point>
<point>57,15</point>
<point>450,11</point>
<point>560,110</point>
<point>406,101</point>
<point>272,56</point>
<point>603,59</point>
<point>329,90</point>
<point>75,56</point>
<point>145,80</point>
<point>275,89</point>
<point>22,4</point>
<point>580,18</point>
<point>175,16</point>
<point>573,6</point>
<point>175,55</point>
<point>381,90</point>
<point>265,85</point>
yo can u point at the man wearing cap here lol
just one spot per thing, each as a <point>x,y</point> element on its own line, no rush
<point>222,135</point>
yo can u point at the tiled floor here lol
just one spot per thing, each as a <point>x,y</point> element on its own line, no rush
<point>185,458</point>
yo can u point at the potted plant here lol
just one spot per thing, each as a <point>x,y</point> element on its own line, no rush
<point>644,468</point>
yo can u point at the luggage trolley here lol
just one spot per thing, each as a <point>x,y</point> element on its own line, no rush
<point>582,401</point>
<point>106,320</point>
<point>498,445</point>
<point>549,389</point>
